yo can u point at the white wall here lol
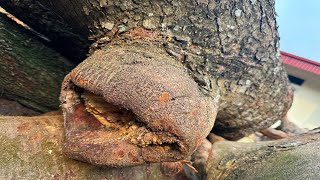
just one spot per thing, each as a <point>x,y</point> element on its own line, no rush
<point>305,110</point>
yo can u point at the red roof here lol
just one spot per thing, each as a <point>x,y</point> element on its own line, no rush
<point>300,62</point>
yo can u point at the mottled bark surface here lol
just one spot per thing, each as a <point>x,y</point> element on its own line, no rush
<point>169,118</point>
<point>31,148</point>
<point>30,72</point>
<point>228,46</point>
<point>292,158</point>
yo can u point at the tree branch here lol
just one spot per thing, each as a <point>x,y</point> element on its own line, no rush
<point>30,72</point>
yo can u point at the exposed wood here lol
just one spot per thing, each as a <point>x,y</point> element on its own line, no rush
<point>142,107</point>
<point>30,72</point>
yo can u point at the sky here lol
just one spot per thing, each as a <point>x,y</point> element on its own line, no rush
<point>299,27</point>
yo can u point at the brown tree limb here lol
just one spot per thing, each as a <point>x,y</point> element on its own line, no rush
<point>292,158</point>
<point>30,72</point>
<point>31,148</point>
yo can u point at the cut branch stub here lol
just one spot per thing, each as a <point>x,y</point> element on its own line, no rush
<point>131,103</point>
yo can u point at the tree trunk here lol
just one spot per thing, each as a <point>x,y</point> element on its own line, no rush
<point>157,59</point>
<point>31,149</point>
<point>229,47</point>
<point>30,72</point>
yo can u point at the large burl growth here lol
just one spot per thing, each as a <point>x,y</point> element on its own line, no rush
<point>161,114</point>
<point>164,68</point>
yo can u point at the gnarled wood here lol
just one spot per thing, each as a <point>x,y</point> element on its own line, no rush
<point>230,47</point>
<point>169,115</point>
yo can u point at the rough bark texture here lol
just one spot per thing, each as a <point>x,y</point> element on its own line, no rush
<point>52,19</point>
<point>228,46</point>
<point>170,115</point>
<point>13,108</point>
<point>292,158</point>
<point>31,148</point>
<point>30,72</point>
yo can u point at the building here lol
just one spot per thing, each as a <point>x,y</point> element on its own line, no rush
<point>304,75</point>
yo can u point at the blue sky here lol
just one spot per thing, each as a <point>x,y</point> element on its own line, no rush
<point>299,27</point>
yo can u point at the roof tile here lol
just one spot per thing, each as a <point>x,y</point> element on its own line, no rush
<point>300,62</point>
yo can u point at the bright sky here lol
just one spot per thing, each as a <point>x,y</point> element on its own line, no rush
<point>299,23</point>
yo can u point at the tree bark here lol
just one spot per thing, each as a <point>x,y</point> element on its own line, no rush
<point>13,108</point>
<point>31,149</point>
<point>30,72</point>
<point>292,158</point>
<point>229,47</point>
<point>51,18</point>
<point>136,96</point>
